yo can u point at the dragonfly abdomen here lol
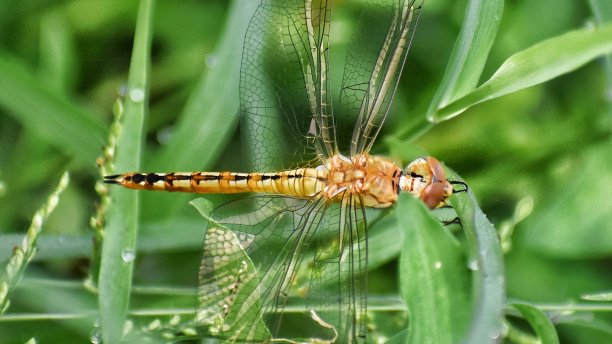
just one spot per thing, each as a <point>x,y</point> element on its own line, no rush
<point>303,182</point>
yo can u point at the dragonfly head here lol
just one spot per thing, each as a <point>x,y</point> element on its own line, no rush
<point>425,179</point>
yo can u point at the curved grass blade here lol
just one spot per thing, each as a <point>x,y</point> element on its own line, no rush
<point>433,280</point>
<point>470,53</point>
<point>540,323</point>
<point>211,113</point>
<point>602,10</point>
<point>119,245</point>
<point>50,115</point>
<point>486,261</point>
<point>467,60</point>
<point>541,62</point>
<point>57,52</point>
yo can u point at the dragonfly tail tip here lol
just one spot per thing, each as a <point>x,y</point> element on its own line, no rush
<point>112,179</point>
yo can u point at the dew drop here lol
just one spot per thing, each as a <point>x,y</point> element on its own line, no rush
<point>165,134</point>
<point>212,60</point>
<point>608,94</point>
<point>137,95</point>
<point>95,337</point>
<point>128,255</point>
<point>473,265</point>
<point>438,265</point>
<point>122,90</point>
<point>495,335</point>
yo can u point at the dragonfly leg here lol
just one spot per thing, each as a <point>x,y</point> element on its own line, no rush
<point>455,221</point>
<point>460,183</point>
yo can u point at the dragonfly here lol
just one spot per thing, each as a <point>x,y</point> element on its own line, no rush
<point>304,233</point>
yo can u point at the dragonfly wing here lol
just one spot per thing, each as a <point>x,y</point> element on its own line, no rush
<point>253,250</point>
<point>338,273</point>
<point>373,67</point>
<point>285,110</point>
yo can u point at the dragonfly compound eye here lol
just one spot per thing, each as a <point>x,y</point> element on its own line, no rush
<point>429,181</point>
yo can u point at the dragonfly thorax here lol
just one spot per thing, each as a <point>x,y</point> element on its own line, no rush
<point>374,179</point>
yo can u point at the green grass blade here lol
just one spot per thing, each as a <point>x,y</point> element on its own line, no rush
<point>468,57</point>
<point>537,64</point>
<point>540,323</point>
<point>486,261</point>
<point>470,53</point>
<point>433,281</point>
<point>211,114</point>
<point>57,52</point>
<point>602,9</point>
<point>119,245</point>
<point>47,113</point>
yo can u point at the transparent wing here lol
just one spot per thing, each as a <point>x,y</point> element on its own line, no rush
<point>252,252</point>
<point>285,110</point>
<point>373,67</point>
<point>277,267</point>
<point>338,273</point>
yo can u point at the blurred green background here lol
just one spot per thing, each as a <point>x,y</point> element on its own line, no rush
<point>540,157</point>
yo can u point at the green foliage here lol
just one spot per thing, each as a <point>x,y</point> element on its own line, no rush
<point>546,144</point>
<point>119,238</point>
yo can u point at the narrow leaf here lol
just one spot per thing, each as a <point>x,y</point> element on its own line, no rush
<point>537,64</point>
<point>540,323</point>
<point>119,247</point>
<point>210,116</point>
<point>486,262</point>
<point>471,50</point>
<point>602,9</point>
<point>433,277</point>
<point>48,113</point>
<point>57,52</point>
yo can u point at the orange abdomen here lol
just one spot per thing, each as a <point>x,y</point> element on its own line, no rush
<point>303,182</point>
